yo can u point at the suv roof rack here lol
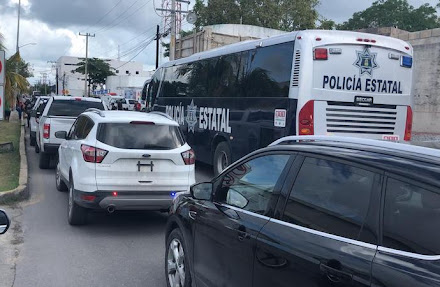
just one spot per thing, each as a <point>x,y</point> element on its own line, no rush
<point>96,111</point>
<point>365,142</point>
<point>162,114</point>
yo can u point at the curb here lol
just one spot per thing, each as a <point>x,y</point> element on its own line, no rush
<point>21,192</point>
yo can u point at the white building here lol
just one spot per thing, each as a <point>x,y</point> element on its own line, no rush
<point>128,86</point>
<point>73,83</point>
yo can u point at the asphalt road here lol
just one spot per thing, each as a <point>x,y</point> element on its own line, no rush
<point>120,249</point>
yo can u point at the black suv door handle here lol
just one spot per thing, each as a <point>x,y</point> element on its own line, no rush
<point>192,214</point>
<point>242,234</point>
<point>335,275</point>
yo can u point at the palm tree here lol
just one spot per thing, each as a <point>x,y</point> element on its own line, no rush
<point>14,82</point>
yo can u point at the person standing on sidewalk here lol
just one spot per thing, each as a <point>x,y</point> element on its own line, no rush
<point>19,109</point>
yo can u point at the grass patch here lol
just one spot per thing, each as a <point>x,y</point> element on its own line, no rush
<point>10,162</point>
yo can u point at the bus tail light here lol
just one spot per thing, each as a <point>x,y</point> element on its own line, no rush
<point>46,131</point>
<point>408,124</point>
<point>320,54</point>
<point>305,119</point>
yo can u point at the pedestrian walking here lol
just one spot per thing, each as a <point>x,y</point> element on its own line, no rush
<point>19,110</point>
<point>7,112</point>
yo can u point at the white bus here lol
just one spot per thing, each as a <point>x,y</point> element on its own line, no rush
<point>238,98</point>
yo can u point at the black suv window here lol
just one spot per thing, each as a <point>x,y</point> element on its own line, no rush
<point>411,218</point>
<point>331,197</point>
<point>141,135</point>
<point>72,108</point>
<point>250,185</point>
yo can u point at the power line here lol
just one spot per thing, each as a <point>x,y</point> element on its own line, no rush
<point>105,15</point>
<point>120,15</point>
<point>146,45</point>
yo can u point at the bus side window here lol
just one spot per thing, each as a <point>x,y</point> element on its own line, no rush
<point>270,71</point>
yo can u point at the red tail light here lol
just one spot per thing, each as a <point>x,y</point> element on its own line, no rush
<point>93,154</point>
<point>86,197</point>
<point>305,119</point>
<point>189,157</point>
<point>320,54</point>
<point>408,125</point>
<point>46,131</point>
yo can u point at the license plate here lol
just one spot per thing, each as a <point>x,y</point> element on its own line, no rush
<point>145,166</point>
<point>391,138</point>
<point>363,101</point>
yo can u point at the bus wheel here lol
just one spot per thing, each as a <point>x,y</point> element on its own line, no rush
<point>222,157</point>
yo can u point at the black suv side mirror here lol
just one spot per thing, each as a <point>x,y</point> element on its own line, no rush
<point>4,222</point>
<point>61,135</point>
<point>202,191</point>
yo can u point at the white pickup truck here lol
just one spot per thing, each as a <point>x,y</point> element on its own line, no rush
<point>59,115</point>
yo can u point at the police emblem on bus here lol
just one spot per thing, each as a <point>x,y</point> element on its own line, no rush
<point>191,116</point>
<point>366,62</point>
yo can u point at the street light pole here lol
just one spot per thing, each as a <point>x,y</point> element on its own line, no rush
<point>18,25</point>
<point>87,35</point>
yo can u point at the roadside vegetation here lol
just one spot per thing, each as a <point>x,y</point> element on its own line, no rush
<point>9,161</point>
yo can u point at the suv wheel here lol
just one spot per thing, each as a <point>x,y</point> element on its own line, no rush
<point>44,160</point>
<point>176,263</point>
<point>61,186</point>
<point>222,157</point>
<point>77,215</point>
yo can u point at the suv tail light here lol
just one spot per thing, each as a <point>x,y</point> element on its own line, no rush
<point>93,154</point>
<point>46,131</point>
<point>408,124</point>
<point>189,157</point>
<point>305,119</point>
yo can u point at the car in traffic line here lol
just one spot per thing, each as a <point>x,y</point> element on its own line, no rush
<point>121,160</point>
<point>35,115</point>
<point>312,211</point>
<point>58,115</point>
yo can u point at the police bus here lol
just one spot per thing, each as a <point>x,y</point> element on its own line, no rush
<point>238,98</point>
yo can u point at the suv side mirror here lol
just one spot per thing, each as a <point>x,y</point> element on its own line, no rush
<point>4,222</point>
<point>61,135</point>
<point>202,191</point>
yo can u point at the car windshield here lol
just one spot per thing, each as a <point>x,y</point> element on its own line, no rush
<point>140,136</point>
<point>72,108</point>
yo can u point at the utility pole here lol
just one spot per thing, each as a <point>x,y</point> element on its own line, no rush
<point>87,35</point>
<point>64,83</point>
<point>173,31</point>
<point>44,82</point>
<point>18,26</point>
<point>157,46</point>
<point>54,66</point>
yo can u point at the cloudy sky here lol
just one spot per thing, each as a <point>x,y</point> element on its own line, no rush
<point>131,24</point>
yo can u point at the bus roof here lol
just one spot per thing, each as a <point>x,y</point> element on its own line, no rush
<point>309,36</point>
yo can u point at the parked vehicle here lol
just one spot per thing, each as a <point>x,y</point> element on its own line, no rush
<point>4,222</point>
<point>235,99</point>
<point>58,115</point>
<point>312,211</point>
<point>118,99</point>
<point>116,160</point>
<point>35,115</point>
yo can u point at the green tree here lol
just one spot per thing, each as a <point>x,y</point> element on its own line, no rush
<point>97,69</point>
<point>287,15</point>
<point>326,24</point>
<point>393,13</point>
<point>14,82</point>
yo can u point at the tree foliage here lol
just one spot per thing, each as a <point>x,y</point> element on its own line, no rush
<point>287,15</point>
<point>393,13</point>
<point>97,69</point>
<point>14,82</point>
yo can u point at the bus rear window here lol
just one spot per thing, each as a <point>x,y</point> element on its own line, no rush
<point>140,136</point>
<point>68,108</point>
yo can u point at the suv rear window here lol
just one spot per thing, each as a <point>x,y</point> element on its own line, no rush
<point>66,108</point>
<point>140,136</point>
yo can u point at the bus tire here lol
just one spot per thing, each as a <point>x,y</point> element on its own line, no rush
<point>222,157</point>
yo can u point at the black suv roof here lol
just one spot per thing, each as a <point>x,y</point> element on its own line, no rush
<point>419,163</point>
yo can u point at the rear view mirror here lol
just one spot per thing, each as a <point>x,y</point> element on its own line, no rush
<point>4,222</point>
<point>202,191</point>
<point>61,135</point>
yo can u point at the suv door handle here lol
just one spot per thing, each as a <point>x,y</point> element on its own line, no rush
<point>242,234</point>
<point>335,275</point>
<point>192,214</point>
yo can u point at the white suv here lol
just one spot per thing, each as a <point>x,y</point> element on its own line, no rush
<point>117,160</point>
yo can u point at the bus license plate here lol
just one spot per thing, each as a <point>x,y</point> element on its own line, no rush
<point>391,138</point>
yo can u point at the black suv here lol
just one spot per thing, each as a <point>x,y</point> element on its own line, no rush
<point>320,211</point>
